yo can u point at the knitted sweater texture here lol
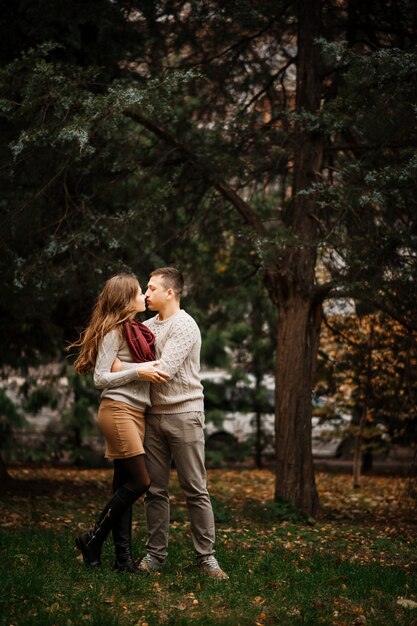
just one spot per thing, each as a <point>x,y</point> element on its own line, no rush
<point>178,345</point>
<point>123,386</point>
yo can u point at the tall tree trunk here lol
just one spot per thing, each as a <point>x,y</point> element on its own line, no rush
<point>367,390</point>
<point>258,440</point>
<point>258,424</point>
<point>294,281</point>
<point>4,474</point>
<point>297,344</point>
<point>358,453</point>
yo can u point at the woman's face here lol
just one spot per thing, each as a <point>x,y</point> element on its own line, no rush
<point>139,301</point>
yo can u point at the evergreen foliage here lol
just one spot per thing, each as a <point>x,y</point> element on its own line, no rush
<point>271,142</point>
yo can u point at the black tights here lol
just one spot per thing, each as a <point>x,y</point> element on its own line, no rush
<point>132,473</point>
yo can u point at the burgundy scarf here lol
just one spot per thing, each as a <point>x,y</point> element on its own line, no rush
<point>140,341</point>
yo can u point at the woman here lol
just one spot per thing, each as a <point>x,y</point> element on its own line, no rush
<point>113,332</point>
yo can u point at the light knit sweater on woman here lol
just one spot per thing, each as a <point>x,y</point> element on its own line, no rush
<point>122,386</point>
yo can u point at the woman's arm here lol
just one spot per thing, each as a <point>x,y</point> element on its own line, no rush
<point>105,377</point>
<point>148,370</point>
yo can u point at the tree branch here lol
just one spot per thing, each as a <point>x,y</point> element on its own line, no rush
<point>356,147</point>
<point>220,185</point>
<point>329,290</point>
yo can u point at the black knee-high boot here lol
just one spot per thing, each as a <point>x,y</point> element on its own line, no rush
<point>122,537</point>
<point>90,543</point>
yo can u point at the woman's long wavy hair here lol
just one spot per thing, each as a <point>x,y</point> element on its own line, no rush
<point>113,307</point>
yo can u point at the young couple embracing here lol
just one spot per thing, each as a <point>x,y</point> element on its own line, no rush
<point>151,412</point>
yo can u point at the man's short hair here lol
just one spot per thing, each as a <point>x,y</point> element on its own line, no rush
<point>171,279</point>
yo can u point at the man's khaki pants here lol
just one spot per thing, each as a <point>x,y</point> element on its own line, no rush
<point>181,437</point>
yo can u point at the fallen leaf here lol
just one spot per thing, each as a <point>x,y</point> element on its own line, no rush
<point>407,604</point>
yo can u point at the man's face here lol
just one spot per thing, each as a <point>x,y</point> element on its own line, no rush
<point>156,293</point>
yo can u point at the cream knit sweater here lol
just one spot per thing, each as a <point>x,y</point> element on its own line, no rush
<point>178,345</point>
<point>123,386</point>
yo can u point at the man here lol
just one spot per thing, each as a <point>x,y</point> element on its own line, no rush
<point>175,427</point>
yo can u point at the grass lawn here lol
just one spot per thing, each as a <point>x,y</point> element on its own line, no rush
<point>357,564</point>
